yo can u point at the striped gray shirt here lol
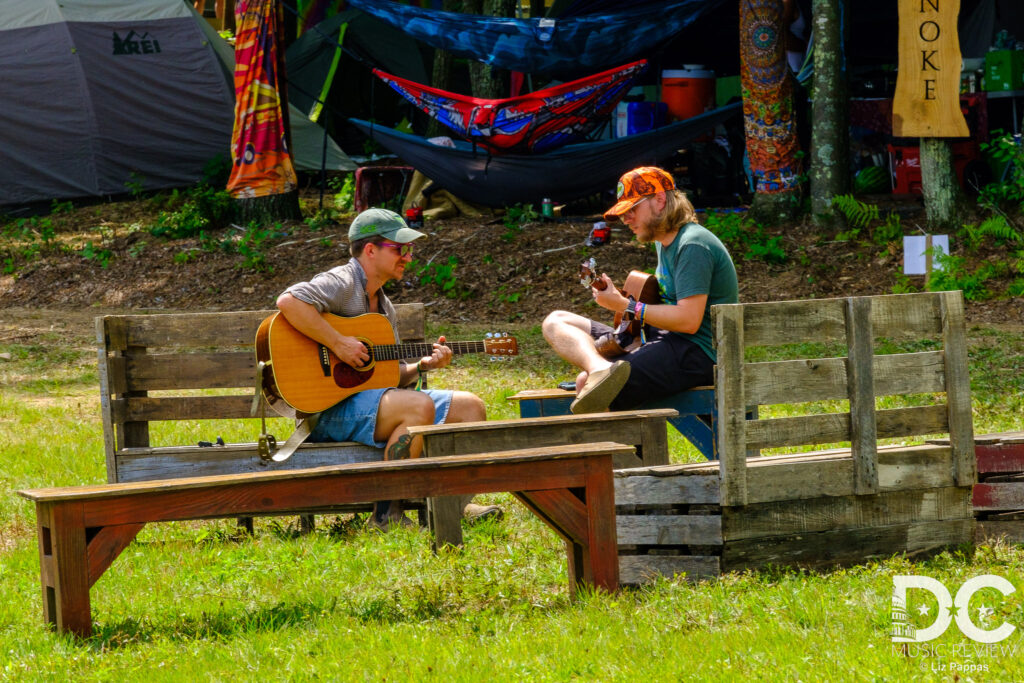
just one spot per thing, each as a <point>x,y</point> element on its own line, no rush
<point>342,291</point>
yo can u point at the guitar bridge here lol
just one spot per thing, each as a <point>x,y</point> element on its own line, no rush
<point>325,360</point>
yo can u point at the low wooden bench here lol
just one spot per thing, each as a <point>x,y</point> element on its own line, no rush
<point>644,429</point>
<point>198,366</point>
<point>696,419</point>
<point>83,529</point>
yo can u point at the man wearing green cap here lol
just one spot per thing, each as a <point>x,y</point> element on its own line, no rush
<point>381,245</point>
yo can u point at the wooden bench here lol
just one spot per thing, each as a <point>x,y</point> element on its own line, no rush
<point>837,506</point>
<point>696,419</point>
<point>198,366</point>
<point>83,529</point>
<point>644,429</point>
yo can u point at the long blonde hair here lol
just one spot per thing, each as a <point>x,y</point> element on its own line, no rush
<point>678,212</point>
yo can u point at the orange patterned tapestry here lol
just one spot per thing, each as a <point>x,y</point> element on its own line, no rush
<point>261,162</point>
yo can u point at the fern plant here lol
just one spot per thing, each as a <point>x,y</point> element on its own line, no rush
<point>858,214</point>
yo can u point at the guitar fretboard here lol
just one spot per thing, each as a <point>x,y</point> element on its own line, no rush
<point>399,351</point>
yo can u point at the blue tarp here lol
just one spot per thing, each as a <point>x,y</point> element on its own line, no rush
<point>556,47</point>
<point>564,174</point>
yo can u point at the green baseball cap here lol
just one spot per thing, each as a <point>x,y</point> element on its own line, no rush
<point>387,224</point>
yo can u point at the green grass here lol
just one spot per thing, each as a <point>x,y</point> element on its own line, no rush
<point>194,600</point>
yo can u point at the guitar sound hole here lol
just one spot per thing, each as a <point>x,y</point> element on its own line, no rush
<point>346,377</point>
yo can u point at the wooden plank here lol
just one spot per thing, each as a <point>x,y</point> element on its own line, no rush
<point>229,328</point>
<point>906,316</point>
<point>669,529</point>
<point>499,435</point>
<point>226,369</point>
<point>733,439</point>
<point>550,453</point>
<point>958,388</point>
<point>792,322</point>
<point>860,361</point>
<point>600,546</point>
<point>70,573</point>
<point>998,496</point>
<point>845,512</point>
<point>638,569</point>
<point>107,373</point>
<point>835,427</point>
<point>846,546</point>
<point>653,442</point>
<point>1005,532</point>
<point>155,408</point>
<point>677,490</point>
<point>824,379</point>
<point>782,479</point>
<point>1000,457</point>
<point>169,463</point>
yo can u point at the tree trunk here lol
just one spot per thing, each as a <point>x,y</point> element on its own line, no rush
<point>830,113</point>
<point>536,8</point>
<point>441,75</point>
<point>269,209</point>
<point>944,201</point>
<point>486,81</point>
<point>768,112</point>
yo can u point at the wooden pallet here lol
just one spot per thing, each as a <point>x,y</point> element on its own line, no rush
<point>823,508</point>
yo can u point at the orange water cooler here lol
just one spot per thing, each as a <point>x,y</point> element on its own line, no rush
<point>688,92</point>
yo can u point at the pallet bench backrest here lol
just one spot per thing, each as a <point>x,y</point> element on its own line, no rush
<point>176,354</point>
<point>859,377</point>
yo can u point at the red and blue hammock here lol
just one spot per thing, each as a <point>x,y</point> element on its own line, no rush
<point>533,123</point>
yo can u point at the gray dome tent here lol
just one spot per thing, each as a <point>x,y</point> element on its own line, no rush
<point>101,93</point>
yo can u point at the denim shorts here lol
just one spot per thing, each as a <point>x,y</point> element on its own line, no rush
<point>355,418</point>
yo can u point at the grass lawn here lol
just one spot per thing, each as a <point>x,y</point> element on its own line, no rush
<point>195,600</point>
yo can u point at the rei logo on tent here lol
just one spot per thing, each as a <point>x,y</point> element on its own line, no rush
<point>133,44</point>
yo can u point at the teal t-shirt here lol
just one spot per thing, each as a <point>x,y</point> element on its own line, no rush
<point>697,263</point>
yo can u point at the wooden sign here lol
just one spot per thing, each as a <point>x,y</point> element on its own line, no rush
<point>927,101</point>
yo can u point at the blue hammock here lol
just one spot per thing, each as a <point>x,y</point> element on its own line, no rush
<point>555,47</point>
<point>564,174</point>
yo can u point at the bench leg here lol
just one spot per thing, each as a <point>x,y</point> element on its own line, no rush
<point>64,567</point>
<point>445,516</point>
<point>585,519</point>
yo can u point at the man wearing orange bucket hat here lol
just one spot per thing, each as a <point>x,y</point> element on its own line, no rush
<point>694,273</point>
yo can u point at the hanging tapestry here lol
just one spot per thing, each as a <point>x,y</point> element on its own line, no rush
<point>531,123</point>
<point>261,162</point>
<point>767,83</point>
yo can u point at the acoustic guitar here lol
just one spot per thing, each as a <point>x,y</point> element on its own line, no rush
<point>308,377</point>
<point>639,285</point>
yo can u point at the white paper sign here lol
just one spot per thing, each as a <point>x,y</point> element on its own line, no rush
<point>913,253</point>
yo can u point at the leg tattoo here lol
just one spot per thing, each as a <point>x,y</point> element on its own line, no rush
<point>400,448</point>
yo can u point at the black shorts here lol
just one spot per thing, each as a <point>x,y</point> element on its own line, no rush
<point>667,364</point>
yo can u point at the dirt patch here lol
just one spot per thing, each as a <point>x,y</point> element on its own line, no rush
<point>469,270</point>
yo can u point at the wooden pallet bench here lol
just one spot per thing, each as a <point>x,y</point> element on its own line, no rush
<point>645,430</point>
<point>82,529</point>
<point>837,506</point>
<point>198,366</point>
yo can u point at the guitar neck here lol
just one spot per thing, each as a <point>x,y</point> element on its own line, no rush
<point>399,351</point>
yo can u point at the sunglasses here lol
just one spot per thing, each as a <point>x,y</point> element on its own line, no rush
<point>633,208</point>
<point>402,249</point>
